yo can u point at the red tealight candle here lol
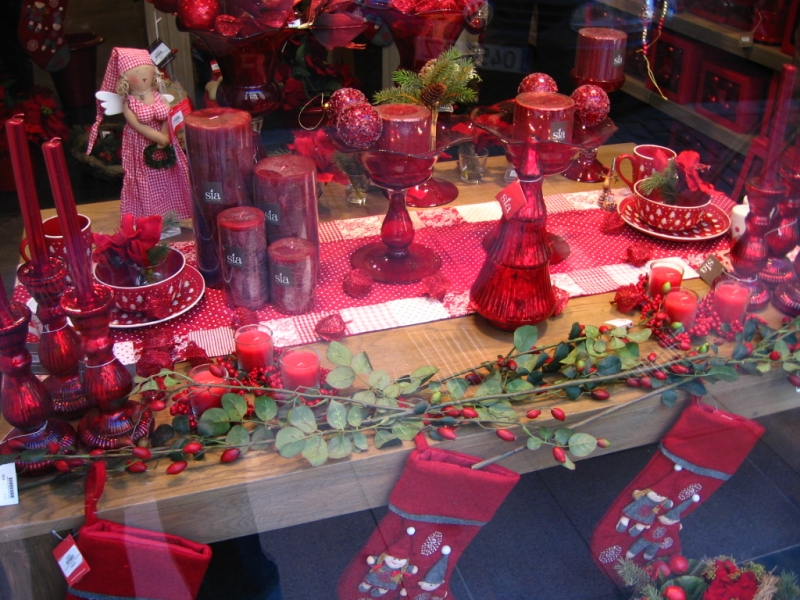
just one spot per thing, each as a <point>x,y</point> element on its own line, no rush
<point>219,148</point>
<point>293,273</point>
<point>300,368</point>
<point>253,347</point>
<point>79,263</point>
<point>286,190</point>
<point>681,306</point>
<point>206,395</point>
<point>600,56</point>
<point>243,257</point>
<point>731,298</point>
<point>406,128</point>
<point>544,115</point>
<point>661,273</point>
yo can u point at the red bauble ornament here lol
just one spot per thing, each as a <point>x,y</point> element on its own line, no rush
<point>639,254</point>
<point>538,82</point>
<point>198,14</point>
<point>227,25</point>
<point>341,99</point>
<point>331,328</point>
<point>359,125</point>
<point>591,105</point>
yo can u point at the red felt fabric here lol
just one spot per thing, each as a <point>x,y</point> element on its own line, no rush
<point>703,440</point>
<point>436,494</point>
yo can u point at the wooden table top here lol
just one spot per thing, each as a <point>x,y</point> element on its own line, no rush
<point>262,491</point>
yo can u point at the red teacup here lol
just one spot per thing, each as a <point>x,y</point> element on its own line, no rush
<point>54,238</point>
<point>642,162</point>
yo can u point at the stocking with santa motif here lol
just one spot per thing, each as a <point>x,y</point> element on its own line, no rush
<point>41,32</point>
<point>438,505</point>
<point>701,451</point>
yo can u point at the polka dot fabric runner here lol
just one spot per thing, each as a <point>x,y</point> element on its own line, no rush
<point>596,265</point>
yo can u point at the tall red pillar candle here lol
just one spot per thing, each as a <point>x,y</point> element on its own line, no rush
<point>406,128</point>
<point>600,56</point>
<point>731,298</point>
<point>300,368</point>
<point>26,191</point>
<point>254,349</point>
<point>243,257</point>
<point>79,263</point>
<point>285,188</point>
<point>663,272</point>
<point>293,275</point>
<point>544,115</point>
<point>680,304</point>
<point>219,148</point>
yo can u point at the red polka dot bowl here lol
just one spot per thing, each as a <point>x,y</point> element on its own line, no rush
<point>667,217</point>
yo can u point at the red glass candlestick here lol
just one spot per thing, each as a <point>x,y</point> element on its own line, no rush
<point>59,346</point>
<point>24,399</point>
<point>115,421</point>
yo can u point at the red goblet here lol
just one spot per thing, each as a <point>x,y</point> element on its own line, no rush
<point>25,401</point>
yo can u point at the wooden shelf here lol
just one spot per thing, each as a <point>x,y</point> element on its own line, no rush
<point>684,113</point>
<point>725,37</point>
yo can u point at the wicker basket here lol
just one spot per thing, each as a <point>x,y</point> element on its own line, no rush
<point>92,164</point>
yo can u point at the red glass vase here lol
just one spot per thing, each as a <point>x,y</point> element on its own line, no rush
<point>25,401</point>
<point>115,420</point>
<point>59,347</point>
<point>786,296</point>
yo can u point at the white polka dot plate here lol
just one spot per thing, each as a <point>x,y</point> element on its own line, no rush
<point>192,289</point>
<point>715,222</point>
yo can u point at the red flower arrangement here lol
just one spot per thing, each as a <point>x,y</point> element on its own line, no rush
<point>317,146</point>
<point>678,181</point>
<point>131,244</point>
<point>729,582</point>
<point>43,119</point>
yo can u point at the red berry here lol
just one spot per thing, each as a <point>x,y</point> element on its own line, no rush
<point>794,379</point>
<point>176,467</point>
<point>451,411</point>
<point>646,382</point>
<point>75,462</point>
<point>652,357</point>
<point>511,364</point>
<point>660,568</point>
<point>674,592</point>
<point>137,467</point>
<point>469,413</point>
<point>774,355</point>
<point>142,453</point>
<point>633,382</point>
<point>533,413</point>
<point>217,370</point>
<point>558,414</point>
<point>603,443</point>
<point>505,435</point>
<point>580,365</point>
<point>192,448</point>
<point>473,378</point>
<point>62,465</point>
<point>157,405</point>
<point>600,394</point>
<point>230,455</point>
<point>97,452</point>
<point>603,328</point>
<point>679,369</point>
<point>678,564</point>
<point>53,448</point>
<point>559,454</point>
<point>660,375</point>
<point>16,445</point>
<point>447,433</point>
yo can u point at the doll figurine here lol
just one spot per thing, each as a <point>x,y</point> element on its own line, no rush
<point>156,179</point>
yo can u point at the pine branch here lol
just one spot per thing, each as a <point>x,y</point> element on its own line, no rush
<point>787,587</point>
<point>396,96</point>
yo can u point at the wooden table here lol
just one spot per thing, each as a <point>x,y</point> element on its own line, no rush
<point>261,492</point>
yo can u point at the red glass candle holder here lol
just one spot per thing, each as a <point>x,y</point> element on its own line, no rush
<point>59,347</point>
<point>24,399</point>
<point>115,420</point>
<point>681,304</point>
<point>663,273</point>
<point>243,257</point>
<point>254,347</point>
<point>731,298</point>
<point>208,392</point>
<point>300,368</point>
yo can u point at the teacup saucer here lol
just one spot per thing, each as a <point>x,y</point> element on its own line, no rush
<point>715,222</point>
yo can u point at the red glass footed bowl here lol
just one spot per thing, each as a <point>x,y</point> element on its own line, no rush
<point>587,168</point>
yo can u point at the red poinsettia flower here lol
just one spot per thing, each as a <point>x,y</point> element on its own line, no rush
<point>130,243</point>
<point>318,147</point>
<point>660,160</point>
<point>689,166</point>
<point>730,583</point>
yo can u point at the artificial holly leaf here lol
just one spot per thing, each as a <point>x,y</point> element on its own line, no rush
<point>525,338</point>
<point>379,379</point>
<point>638,335</point>
<point>609,365</point>
<point>573,392</point>
<point>582,444</point>
<point>781,347</point>
<point>591,332</point>
<point>518,385</point>
<point>575,331</point>
<point>384,437</point>
<point>490,386</point>
<point>425,372</point>
<point>618,332</point>
<point>502,411</point>
<point>568,464</point>
<point>239,437</point>
<point>339,354</point>
<point>541,359</point>
<point>337,415</point>
<point>290,442</point>
<point>339,447</point>
<point>235,405</point>
<point>407,430</point>
<point>315,451</point>
<point>354,416</point>
<point>615,343</point>
<point>694,387</point>
<point>391,391</point>
<point>214,422</point>
<point>260,437</point>
<point>181,424</point>
<point>562,435</point>
<point>410,386</point>
<point>572,357</point>
<point>457,388</point>
<point>749,330</point>
<point>360,441</point>
<point>598,348</point>
<point>341,377</point>
<point>668,398</point>
<point>302,417</point>
<point>266,408</point>
<point>360,364</point>
<point>366,396</point>
<point>534,443</point>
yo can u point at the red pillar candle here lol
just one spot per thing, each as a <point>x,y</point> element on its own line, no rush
<point>661,273</point>
<point>600,56</point>
<point>730,300</point>
<point>254,348</point>
<point>300,368</point>
<point>285,188</point>
<point>680,304</point>
<point>207,394</point>
<point>26,191</point>
<point>79,263</point>
<point>293,274</point>
<point>544,115</point>
<point>219,147</point>
<point>406,128</point>
<point>243,256</point>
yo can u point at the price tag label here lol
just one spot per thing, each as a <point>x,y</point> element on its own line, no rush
<point>745,40</point>
<point>710,269</point>
<point>160,53</point>
<point>70,560</point>
<point>511,199</point>
<point>9,494</point>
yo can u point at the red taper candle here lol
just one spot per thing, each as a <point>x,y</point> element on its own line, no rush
<point>26,191</point>
<point>68,213</point>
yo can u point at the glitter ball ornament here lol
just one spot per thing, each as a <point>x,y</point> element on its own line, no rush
<point>538,82</point>
<point>198,14</point>
<point>359,125</point>
<point>591,105</point>
<point>341,99</point>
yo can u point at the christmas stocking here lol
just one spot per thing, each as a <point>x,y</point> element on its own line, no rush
<point>437,507</point>
<point>41,32</point>
<point>703,449</point>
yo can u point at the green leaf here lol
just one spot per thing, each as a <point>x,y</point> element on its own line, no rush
<point>360,364</point>
<point>379,379</point>
<point>490,386</point>
<point>615,343</point>
<point>562,435</point>
<point>235,405</point>
<point>694,386</point>
<point>525,338</point>
<point>575,331</point>
<point>266,408</point>
<point>723,373</point>
<point>367,396</point>
<point>582,444</point>
<point>339,354</point>
<point>591,332</point>
<point>341,378</point>
<point>290,442</point>
<point>668,398</point>
<point>568,464</point>
<point>360,441</point>
<point>425,372</point>
<point>384,437</point>
<point>749,330</point>
<point>260,437</point>
<point>214,422</point>
<point>407,430</point>
<point>410,386</point>
<point>527,362</point>
<point>790,367</point>
<point>573,392</point>
<point>502,411</point>
<point>181,424</point>
<point>534,443</point>
<point>240,437</point>
<point>572,357</point>
<point>316,451</point>
<point>518,385</point>
<point>302,417</point>
<point>783,348</point>
<point>740,351</point>
<point>355,416</point>
<point>541,358</point>
<point>629,355</point>
<point>337,415</point>
<point>391,391</point>
<point>457,388</point>
<point>339,447</point>
<point>148,386</point>
<point>598,348</point>
<point>618,332</point>
<point>170,381</point>
<point>764,367</point>
<point>386,401</point>
<point>610,365</point>
<point>639,335</point>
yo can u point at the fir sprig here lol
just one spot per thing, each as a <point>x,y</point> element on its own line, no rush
<point>666,181</point>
